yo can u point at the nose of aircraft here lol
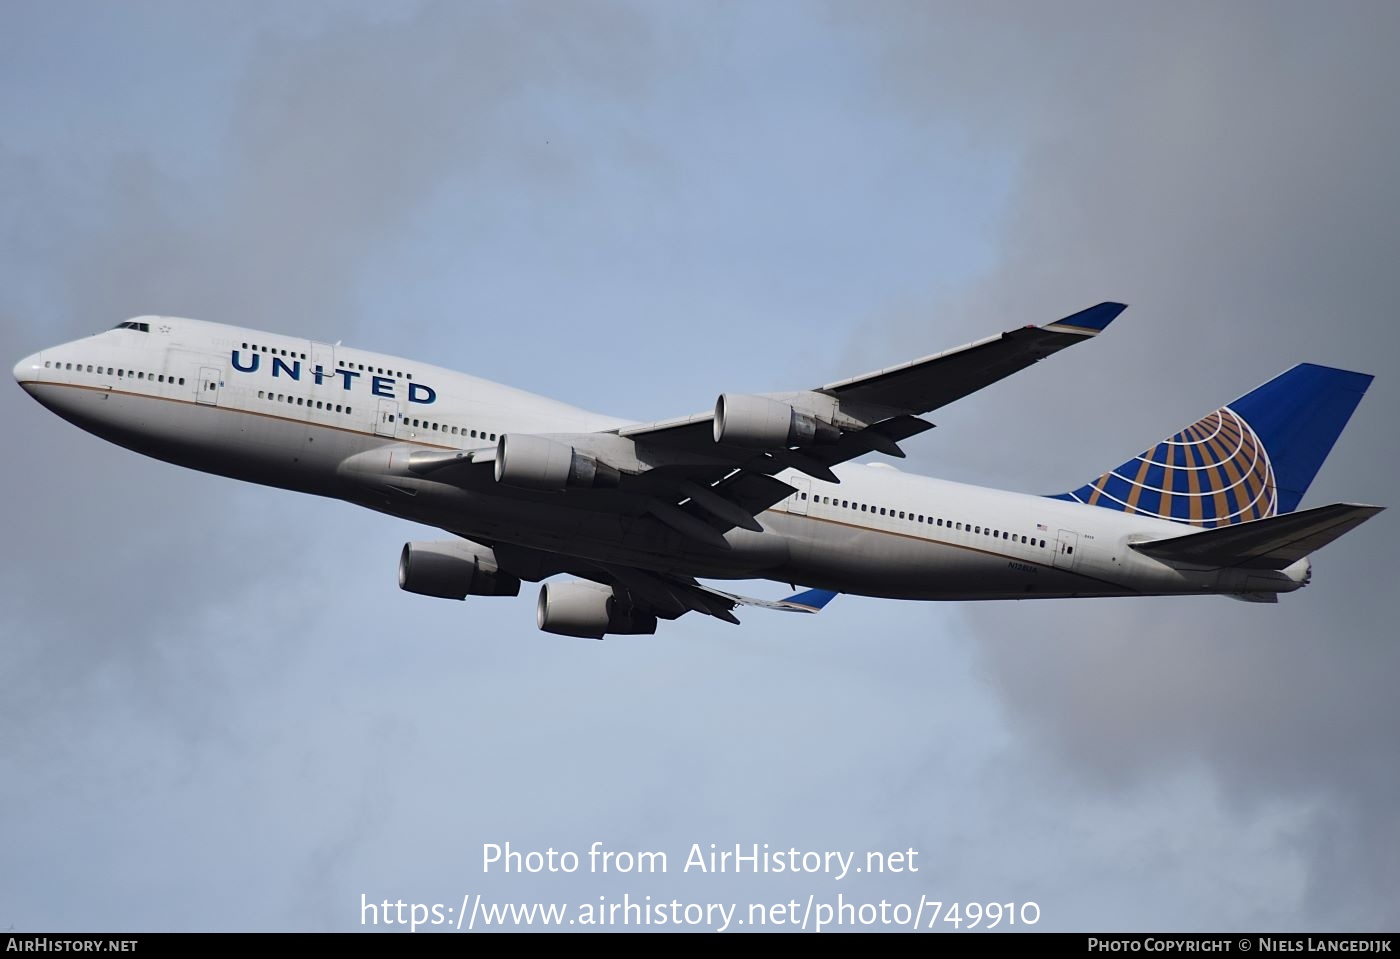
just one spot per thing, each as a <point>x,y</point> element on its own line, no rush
<point>26,369</point>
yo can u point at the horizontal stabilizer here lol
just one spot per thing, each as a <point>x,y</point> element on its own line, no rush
<point>1275,542</point>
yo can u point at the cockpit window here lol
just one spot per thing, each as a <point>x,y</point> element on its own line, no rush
<point>132,325</point>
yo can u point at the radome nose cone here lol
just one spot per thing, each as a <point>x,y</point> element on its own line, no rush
<point>26,369</point>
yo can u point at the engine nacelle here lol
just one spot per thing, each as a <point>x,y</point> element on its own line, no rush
<point>767,424</point>
<point>453,569</point>
<point>535,462</point>
<point>589,611</point>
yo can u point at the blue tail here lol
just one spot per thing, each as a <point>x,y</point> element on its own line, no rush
<point>1255,457</point>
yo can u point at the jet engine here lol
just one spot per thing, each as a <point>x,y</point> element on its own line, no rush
<point>767,424</point>
<point>589,611</point>
<point>453,569</point>
<point>536,462</point>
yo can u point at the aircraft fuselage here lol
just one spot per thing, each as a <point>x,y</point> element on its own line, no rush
<point>330,421</point>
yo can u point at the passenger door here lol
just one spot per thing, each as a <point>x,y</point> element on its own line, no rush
<point>797,502</point>
<point>210,379</point>
<point>386,423</point>
<point>1066,547</point>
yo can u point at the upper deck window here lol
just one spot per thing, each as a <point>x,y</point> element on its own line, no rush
<point>133,325</point>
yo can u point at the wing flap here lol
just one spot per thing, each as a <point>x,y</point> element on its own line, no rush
<point>753,492</point>
<point>883,437</point>
<point>1275,542</point>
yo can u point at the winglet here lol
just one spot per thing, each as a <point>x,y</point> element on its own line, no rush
<point>1090,322</point>
<point>811,601</point>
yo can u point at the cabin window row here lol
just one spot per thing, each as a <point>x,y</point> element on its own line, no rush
<point>273,351</point>
<point>445,428</point>
<point>382,371</point>
<point>119,372</point>
<point>959,526</point>
<point>344,364</point>
<point>291,400</point>
<point>303,401</point>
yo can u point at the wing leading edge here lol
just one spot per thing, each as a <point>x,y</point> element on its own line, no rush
<point>926,384</point>
<point>892,398</point>
<point>831,424</point>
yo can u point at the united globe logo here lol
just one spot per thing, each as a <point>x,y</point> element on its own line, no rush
<point>1215,472</point>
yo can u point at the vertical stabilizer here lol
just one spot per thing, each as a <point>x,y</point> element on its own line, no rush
<point>1250,459</point>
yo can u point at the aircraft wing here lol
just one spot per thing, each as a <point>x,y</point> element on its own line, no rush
<point>711,472</point>
<point>664,595</point>
<point>669,597</point>
<point>890,400</point>
<point>926,384</point>
<point>706,474</point>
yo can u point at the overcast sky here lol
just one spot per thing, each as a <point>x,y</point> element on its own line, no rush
<point>218,710</point>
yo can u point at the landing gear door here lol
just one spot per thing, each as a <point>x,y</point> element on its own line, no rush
<point>1066,549</point>
<point>209,383</point>
<point>797,502</point>
<point>386,423</point>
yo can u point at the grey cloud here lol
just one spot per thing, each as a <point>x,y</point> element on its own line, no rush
<point>333,142</point>
<point>1228,172</point>
<point>287,731</point>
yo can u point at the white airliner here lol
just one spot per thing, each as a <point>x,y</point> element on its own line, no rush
<point>760,487</point>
